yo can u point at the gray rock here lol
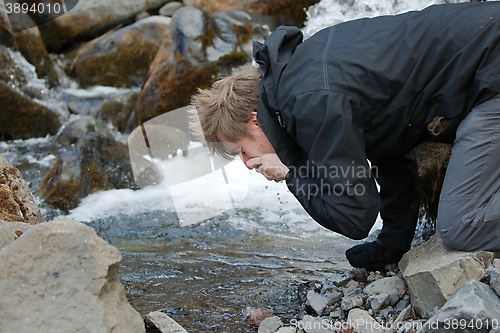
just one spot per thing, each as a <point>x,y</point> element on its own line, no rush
<point>399,321</point>
<point>352,301</point>
<point>336,280</point>
<point>378,301</point>
<point>189,25</point>
<point>317,302</point>
<point>474,308</point>
<point>496,263</point>
<point>61,277</point>
<point>434,273</point>
<point>363,322</point>
<point>270,325</point>
<point>10,231</point>
<point>287,329</point>
<point>163,323</point>
<point>492,276</point>
<point>16,202</point>
<point>170,8</point>
<point>390,286</point>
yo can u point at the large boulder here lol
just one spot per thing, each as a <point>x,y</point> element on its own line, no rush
<point>122,58</point>
<point>179,68</point>
<point>475,308</point>
<point>434,273</point>
<point>22,118</point>
<point>92,18</point>
<point>16,202</point>
<point>97,163</point>
<point>61,277</point>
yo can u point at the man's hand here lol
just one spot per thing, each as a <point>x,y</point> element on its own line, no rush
<point>269,165</point>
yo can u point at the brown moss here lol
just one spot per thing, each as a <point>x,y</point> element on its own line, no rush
<point>20,118</point>
<point>98,179</point>
<point>127,66</point>
<point>234,59</point>
<point>62,194</point>
<point>433,159</point>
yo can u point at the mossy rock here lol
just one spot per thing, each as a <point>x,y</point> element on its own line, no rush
<point>97,163</point>
<point>30,44</point>
<point>117,111</point>
<point>21,118</point>
<point>126,67</point>
<point>433,159</point>
<point>122,58</point>
<point>9,72</point>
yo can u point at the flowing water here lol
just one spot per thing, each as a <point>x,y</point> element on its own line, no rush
<point>204,273</point>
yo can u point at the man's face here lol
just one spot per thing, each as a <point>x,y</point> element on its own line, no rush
<point>250,147</point>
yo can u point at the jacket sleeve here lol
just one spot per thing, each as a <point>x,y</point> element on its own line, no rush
<point>335,184</point>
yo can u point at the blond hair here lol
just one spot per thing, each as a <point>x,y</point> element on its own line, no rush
<point>223,110</point>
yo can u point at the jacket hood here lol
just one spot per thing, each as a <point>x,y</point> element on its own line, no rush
<point>273,56</point>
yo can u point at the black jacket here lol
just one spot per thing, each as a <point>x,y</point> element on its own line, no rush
<point>366,89</point>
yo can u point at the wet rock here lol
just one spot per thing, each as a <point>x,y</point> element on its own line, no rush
<point>270,325</point>
<point>90,19</point>
<point>163,323</point>
<point>117,111</point>
<point>16,201</point>
<point>364,323</point>
<point>72,131</point>
<point>433,273</point>
<point>21,118</point>
<point>61,277</point>
<point>97,163</point>
<point>170,8</point>
<point>9,72</point>
<point>121,58</point>
<point>10,231</point>
<point>255,317</point>
<point>29,42</point>
<point>474,308</point>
